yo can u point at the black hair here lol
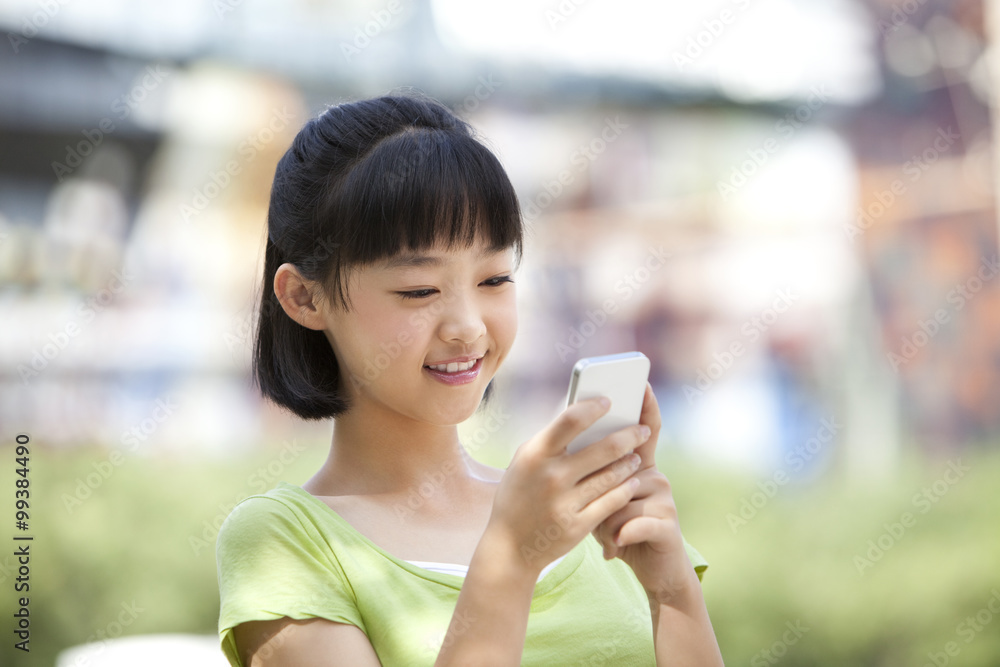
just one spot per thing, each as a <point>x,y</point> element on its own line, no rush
<point>360,183</point>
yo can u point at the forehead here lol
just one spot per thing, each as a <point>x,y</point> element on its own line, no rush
<point>440,256</point>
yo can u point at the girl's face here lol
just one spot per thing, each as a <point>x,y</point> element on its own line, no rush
<point>428,308</point>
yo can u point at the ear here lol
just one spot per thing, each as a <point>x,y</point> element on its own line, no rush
<point>295,294</point>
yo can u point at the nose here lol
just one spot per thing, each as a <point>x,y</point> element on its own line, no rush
<point>462,319</point>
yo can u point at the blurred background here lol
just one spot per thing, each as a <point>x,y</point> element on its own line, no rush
<point>790,207</point>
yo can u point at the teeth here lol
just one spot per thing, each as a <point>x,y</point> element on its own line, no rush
<point>454,366</point>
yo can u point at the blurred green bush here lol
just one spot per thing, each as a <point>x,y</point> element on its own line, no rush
<point>879,574</point>
<point>786,587</point>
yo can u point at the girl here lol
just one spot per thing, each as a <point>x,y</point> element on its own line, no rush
<point>389,306</point>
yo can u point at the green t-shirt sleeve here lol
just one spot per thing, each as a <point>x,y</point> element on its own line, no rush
<point>697,560</point>
<point>270,565</point>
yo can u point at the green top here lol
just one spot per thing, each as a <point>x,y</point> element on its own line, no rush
<point>287,553</point>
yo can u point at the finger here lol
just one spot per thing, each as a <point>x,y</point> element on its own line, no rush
<point>607,451</point>
<point>651,498</point>
<point>600,482</point>
<point>607,532</point>
<point>650,416</point>
<point>610,528</point>
<point>571,422</point>
<point>640,529</point>
<point>610,502</point>
<point>605,536</point>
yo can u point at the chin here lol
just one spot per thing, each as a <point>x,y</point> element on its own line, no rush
<point>457,412</point>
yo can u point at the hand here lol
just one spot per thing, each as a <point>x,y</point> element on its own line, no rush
<point>548,500</point>
<point>646,533</point>
<point>650,416</point>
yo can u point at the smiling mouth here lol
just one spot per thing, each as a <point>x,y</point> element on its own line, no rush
<point>454,366</point>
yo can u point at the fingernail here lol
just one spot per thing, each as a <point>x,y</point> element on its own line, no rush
<point>634,459</point>
<point>645,430</point>
<point>605,402</point>
<point>633,483</point>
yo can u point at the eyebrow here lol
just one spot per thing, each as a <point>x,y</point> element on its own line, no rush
<point>406,260</point>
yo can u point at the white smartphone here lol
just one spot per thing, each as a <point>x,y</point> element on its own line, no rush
<point>620,377</point>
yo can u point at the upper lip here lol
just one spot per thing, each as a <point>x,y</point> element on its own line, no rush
<point>456,360</point>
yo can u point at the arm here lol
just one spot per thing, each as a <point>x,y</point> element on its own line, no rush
<point>491,614</point>
<point>646,535</point>
<point>682,631</point>
<point>651,543</point>
<point>487,627</point>
<point>543,488</point>
<point>314,642</point>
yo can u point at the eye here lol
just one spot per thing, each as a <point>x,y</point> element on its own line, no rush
<point>424,293</point>
<point>499,280</point>
<point>416,294</point>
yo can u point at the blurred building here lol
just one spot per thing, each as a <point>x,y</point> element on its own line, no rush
<point>771,202</point>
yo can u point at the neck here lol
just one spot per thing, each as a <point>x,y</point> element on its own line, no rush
<point>385,453</point>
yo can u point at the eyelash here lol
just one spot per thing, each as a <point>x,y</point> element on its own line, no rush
<point>420,294</point>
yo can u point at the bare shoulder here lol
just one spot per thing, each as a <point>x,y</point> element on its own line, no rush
<point>313,642</point>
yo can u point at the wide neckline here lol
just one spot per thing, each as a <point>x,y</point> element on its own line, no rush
<point>437,566</point>
<point>553,578</point>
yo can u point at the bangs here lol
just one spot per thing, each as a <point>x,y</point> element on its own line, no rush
<point>417,189</point>
<point>361,183</point>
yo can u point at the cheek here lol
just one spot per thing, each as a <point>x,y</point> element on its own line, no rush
<point>390,334</point>
<point>504,319</point>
